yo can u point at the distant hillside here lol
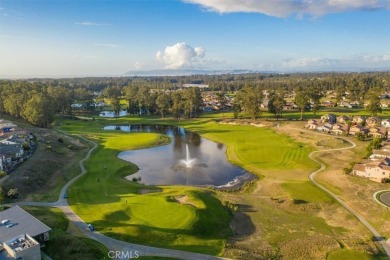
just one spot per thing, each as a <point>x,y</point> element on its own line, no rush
<point>184,72</point>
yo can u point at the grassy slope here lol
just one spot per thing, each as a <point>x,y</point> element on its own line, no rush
<point>160,221</point>
<point>154,218</point>
<point>275,157</point>
<point>62,245</point>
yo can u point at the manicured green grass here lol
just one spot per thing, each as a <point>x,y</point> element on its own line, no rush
<point>113,204</point>
<point>116,207</point>
<point>344,254</point>
<point>306,192</point>
<point>63,245</point>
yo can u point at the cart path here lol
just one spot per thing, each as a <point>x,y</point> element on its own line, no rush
<point>110,243</point>
<point>378,237</point>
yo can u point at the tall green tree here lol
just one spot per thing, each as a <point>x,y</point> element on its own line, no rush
<point>250,99</point>
<point>177,104</point>
<point>315,96</point>
<point>302,100</point>
<point>62,99</point>
<point>113,93</point>
<point>374,105</point>
<point>275,103</point>
<point>131,95</point>
<point>222,100</point>
<point>38,110</point>
<point>163,103</point>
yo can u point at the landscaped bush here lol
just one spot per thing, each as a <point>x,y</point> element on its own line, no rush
<point>2,174</point>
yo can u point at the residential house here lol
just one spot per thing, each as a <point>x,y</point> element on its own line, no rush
<point>11,150</point>
<point>373,121</point>
<point>345,104</point>
<point>312,124</point>
<point>290,106</point>
<point>375,169</point>
<point>357,129</point>
<point>324,128</point>
<point>5,160</point>
<point>6,127</point>
<point>339,129</point>
<point>381,153</point>
<point>359,119</point>
<point>343,119</point>
<point>355,104</point>
<point>329,118</point>
<point>377,132</point>
<point>385,123</point>
<point>328,103</point>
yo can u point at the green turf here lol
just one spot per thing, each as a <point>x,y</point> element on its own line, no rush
<point>63,245</point>
<point>306,192</point>
<point>155,218</point>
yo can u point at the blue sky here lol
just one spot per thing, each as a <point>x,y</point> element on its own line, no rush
<point>100,38</point>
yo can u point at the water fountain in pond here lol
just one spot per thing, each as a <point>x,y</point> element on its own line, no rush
<point>188,162</point>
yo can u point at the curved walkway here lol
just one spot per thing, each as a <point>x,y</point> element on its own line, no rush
<point>376,234</point>
<point>110,243</point>
<point>374,196</point>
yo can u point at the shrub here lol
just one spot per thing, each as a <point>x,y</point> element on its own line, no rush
<point>26,146</point>
<point>12,193</point>
<point>385,180</point>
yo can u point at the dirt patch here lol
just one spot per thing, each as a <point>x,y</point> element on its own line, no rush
<point>183,199</point>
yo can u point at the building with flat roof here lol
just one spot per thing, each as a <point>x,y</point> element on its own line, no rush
<point>23,247</point>
<point>21,234</point>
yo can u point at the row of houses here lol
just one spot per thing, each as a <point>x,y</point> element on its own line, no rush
<point>377,167</point>
<point>211,102</point>
<point>345,125</point>
<point>12,139</point>
<point>83,105</point>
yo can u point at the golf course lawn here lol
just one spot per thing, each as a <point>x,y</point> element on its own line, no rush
<point>152,215</point>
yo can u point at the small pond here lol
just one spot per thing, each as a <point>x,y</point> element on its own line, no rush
<point>188,159</point>
<point>112,113</point>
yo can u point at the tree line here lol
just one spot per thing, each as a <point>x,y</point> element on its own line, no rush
<point>142,100</point>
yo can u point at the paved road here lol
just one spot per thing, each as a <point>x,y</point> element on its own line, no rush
<point>378,201</point>
<point>377,236</point>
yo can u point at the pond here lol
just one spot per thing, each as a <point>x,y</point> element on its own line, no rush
<point>188,159</point>
<point>112,113</point>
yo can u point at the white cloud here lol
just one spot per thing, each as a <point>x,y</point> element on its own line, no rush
<point>181,55</point>
<point>92,24</point>
<point>285,8</point>
<point>308,62</point>
<point>138,65</point>
<point>109,45</point>
<point>321,63</point>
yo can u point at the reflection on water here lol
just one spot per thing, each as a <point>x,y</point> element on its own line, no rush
<point>161,165</point>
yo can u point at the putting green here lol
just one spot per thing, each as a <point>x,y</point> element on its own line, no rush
<point>129,211</point>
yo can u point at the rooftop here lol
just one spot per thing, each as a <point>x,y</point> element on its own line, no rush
<point>23,223</point>
<point>21,243</point>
